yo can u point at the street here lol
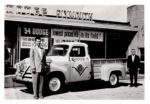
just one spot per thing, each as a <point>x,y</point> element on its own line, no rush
<point>86,91</point>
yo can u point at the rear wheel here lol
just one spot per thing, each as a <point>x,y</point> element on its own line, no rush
<point>113,79</point>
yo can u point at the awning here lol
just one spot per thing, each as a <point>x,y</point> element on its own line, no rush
<point>69,22</point>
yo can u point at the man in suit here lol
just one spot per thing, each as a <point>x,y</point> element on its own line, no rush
<point>133,62</point>
<point>37,62</point>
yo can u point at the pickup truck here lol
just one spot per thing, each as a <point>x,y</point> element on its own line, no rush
<point>69,62</point>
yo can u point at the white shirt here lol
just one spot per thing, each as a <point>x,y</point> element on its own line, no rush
<point>40,51</point>
<point>133,57</point>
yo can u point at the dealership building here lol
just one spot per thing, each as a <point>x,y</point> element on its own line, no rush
<point>105,39</point>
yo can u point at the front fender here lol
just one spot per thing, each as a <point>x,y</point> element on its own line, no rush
<point>60,67</point>
<point>107,69</point>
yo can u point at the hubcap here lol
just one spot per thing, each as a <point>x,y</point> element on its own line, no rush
<point>113,79</point>
<point>54,84</point>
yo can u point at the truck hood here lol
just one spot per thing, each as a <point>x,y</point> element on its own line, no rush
<point>57,61</point>
<point>50,59</point>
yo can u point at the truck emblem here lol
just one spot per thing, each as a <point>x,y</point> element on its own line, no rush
<point>80,69</point>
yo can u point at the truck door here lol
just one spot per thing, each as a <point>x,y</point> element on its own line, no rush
<point>80,64</point>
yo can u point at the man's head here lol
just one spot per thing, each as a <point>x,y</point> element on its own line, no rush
<point>133,51</point>
<point>38,41</point>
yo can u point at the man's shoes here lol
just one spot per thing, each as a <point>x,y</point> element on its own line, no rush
<point>136,85</point>
<point>35,97</point>
<point>131,85</point>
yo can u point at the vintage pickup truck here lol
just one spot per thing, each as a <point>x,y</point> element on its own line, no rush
<point>70,62</point>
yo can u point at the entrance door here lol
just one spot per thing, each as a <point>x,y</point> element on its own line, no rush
<point>80,64</point>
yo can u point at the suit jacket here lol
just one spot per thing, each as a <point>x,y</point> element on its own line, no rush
<point>36,61</point>
<point>133,65</point>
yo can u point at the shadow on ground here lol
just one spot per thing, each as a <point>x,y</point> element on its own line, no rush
<point>82,86</point>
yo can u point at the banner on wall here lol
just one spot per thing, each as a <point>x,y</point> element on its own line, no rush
<point>28,42</point>
<point>63,34</point>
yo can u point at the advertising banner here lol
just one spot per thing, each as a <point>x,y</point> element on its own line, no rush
<point>63,34</point>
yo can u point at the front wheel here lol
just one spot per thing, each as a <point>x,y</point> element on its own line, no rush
<point>55,84</point>
<point>113,79</point>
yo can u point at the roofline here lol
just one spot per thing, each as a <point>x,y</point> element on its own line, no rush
<point>96,20</point>
<point>70,23</point>
<point>114,22</point>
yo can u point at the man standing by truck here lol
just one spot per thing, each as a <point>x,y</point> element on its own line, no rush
<point>133,62</point>
<point>37,62</point>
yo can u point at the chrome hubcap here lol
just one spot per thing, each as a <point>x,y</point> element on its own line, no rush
<point>113,79</point>
<point>54,84</point>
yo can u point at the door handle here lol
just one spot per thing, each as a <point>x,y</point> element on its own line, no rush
<point>73,60</point>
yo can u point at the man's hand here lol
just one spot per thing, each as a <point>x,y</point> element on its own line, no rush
<point>127,71</point>
<point>33,70</point>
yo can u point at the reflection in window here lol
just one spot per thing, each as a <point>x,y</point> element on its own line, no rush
<point>77,51</point>
<point>59,50</point>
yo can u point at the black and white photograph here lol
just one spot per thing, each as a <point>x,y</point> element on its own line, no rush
<point>74,52</point>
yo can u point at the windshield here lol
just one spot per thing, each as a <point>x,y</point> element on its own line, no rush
<point>59,50</point>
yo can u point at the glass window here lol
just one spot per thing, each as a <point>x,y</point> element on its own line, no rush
<point>77,51</point>
<point>59,50</point>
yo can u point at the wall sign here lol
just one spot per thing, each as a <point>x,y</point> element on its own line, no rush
<point>32,10</point>
<point>74,15</point>
<point>25,10</point>
<point>63,34</point>
<point>35,31</point>
<point>28,34</point>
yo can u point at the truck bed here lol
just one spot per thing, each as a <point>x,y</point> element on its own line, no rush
<point>98,63</point>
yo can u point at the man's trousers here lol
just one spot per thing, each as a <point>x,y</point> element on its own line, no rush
<point>133,76</point>
<point>38,81</point>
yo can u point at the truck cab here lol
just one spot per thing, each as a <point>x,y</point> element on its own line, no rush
<point>72,59</point>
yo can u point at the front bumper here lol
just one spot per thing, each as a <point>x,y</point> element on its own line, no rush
<point>22,80</point>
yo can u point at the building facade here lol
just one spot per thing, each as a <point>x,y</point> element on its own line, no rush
<point>135,16</point>
<point>106,39</point>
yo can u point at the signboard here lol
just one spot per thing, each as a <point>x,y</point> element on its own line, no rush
<point>31,10</point>
<point>25,10</point>
<point>74,15</point>
<point>28,42</point>
<point>35,31</point>
<point>28,35</point>
<point>76,35</point>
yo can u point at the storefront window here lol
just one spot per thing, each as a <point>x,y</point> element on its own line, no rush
<point>96,49</point>
<point>24,53</point>
<point>142,54</point>
<point>117,44</point>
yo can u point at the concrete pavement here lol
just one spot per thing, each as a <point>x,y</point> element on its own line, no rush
<point>97,91</point>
